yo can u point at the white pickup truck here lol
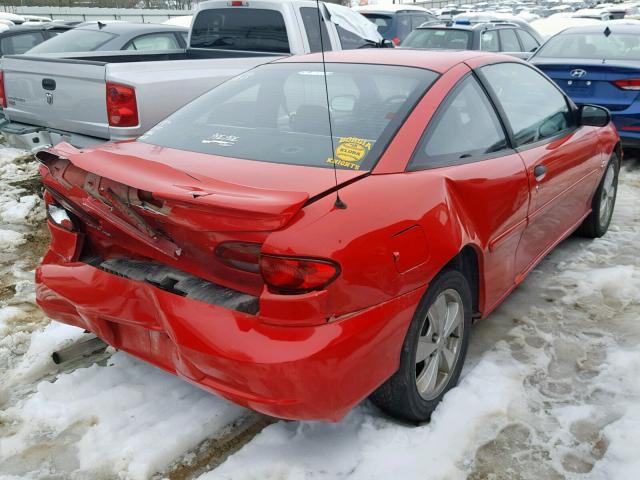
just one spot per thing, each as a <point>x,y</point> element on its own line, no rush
<point>91,98</point>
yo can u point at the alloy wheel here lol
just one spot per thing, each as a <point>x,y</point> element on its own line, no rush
<point>439,344</point>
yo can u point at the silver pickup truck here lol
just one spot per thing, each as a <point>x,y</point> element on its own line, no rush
<point>91,98</point>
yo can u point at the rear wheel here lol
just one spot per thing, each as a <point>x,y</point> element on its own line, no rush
<point>604,200</point>
<point>433,351</point>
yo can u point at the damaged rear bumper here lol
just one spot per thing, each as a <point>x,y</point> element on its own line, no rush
<point>305,373</point>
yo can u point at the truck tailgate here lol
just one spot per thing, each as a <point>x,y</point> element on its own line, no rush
<point>62,94</point>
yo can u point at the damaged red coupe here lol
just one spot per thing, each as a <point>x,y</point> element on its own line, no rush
<point>296,269</point>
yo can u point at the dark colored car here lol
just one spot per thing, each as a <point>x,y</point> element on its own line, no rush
<point>509,38</point>
<point>20,39</point>
<point>599,64</point>
<point>395,26</point>
<point>111,36</point>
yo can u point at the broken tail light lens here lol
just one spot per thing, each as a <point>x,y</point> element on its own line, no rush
<point>3,96</point>
<point>297,275</point>
<point>241,255</point>
<point>122,108</point>
<point>60,217</point>
<point>628,84</point>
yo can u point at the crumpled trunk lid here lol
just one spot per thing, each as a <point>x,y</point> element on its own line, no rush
<point>134,206</point>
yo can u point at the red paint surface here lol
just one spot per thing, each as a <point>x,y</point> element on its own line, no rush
<point>313,355</point>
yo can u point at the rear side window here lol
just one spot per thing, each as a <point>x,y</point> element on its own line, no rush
<point>529,44</point>
<point>19,44</point>
<point>154,41</point>
<point>312,26</point>
<point>509,40</point>
<point>278,113</point>
<point>465,127</point>
<point>541,113</point>
<point>489,41</point>
<point>77,40</point>
<point>417,20</point>
<point>404,26</point>
<point>254,29</point>
<point>383,22</point>
<point>438,38</point>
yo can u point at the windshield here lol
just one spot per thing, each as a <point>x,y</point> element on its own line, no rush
<point>592,46</point>
<point>278,113</point>
<point>78,40</point>
<point>256,29</point>
<point>383,22</point>
<point>438,38</point>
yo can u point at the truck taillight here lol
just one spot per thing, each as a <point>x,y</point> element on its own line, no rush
<point>628,84</point>
<point>3,97</point>
<point>122,108</point>
<point>238,3</point>
<point>291,275</point>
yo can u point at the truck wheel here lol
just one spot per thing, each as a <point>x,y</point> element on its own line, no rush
<point>604,200</point>
<point>433,351</point>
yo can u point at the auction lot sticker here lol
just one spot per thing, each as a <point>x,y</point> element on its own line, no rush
<point>350,152</point>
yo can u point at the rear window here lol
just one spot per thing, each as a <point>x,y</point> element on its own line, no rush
<point>278,114</point>
<point>78,40</point>
<point>438,38</point>
<point>254,29</point>
<point>592,46</point>
<point>384,22</point>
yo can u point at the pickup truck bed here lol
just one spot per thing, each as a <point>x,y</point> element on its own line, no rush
<point>70,102</point>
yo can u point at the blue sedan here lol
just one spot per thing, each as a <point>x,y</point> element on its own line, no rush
<point>599,64</point>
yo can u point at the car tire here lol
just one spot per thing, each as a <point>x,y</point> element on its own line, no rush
<point>416,389</point>
<point>603,203</point>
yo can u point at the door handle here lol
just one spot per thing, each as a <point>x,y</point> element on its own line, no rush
<point>540,172</point>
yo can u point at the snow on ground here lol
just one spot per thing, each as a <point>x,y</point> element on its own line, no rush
<point>551,388</point>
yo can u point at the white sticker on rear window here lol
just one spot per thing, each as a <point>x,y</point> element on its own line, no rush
<point>222,140</point>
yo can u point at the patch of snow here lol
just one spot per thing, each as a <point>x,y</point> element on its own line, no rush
<point>127,418</point>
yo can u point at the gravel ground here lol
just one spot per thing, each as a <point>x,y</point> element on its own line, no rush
<point>551,388</point>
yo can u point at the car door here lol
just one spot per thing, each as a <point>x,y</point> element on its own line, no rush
<point>562,161</point>
<point>486,182</point>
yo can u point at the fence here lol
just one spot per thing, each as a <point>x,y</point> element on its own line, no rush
<point>88,14</point>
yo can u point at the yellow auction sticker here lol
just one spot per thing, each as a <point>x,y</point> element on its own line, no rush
<point>350,152</point>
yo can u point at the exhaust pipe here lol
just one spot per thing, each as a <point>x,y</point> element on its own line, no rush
<point>84,348</point>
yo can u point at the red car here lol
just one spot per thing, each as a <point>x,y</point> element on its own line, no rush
<point>296,269</point>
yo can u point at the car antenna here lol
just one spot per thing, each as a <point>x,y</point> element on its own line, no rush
<point>339,203</point>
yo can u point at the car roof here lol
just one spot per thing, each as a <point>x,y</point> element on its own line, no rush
<point>38,26</point>
<point>127,27</point>
<point>600,28</point>
<point>438,61</point>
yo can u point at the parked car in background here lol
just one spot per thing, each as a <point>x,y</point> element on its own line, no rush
<point>214,246</point>
<point>508,38</point>
<point>95,97</point>
<point>599,64</point>
<point>395,22</point>
<point>22,38</point>
<point>111,36</point>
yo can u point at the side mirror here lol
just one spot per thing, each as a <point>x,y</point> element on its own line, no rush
<point>343,104</point>
<point>593,116</point>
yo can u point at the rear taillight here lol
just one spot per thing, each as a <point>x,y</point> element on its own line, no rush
<point>238,3</point>
<point>628,84</point>
<point>3,97</point>
<point>241,255</point>
<point>395,41</point>
<point>297,275</point>
<point>122,109</point>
